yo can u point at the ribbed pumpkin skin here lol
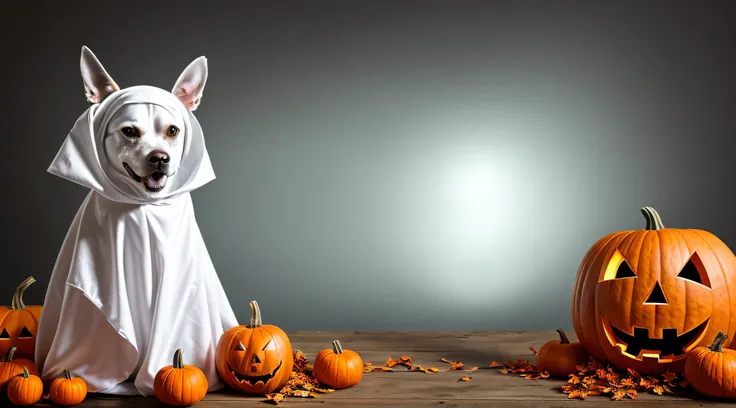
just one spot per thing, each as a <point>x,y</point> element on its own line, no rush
<point>9,368</point>
<point>712,373</point>
<point>67,391</point>
<point>338,368</point>
<point>180,385</point>
<point>14,319</point>
<point>655,256</point>
<point>25,389</point>
<point>561,357</point>
<point>256,359</point>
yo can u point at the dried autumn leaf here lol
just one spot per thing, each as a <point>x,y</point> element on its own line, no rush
<point>504,371</point>
<point>534,351</point>
<point>434,369</point>
<point>465,378</point>
<point>444,360</point>
<point>658,389</point>
<point>618,395</point>
<point>274,398</point>
<point>495,365</point>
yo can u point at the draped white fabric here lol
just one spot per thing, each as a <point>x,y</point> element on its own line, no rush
<point>133,281</point>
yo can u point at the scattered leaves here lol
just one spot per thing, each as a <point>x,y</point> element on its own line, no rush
<point>465,378</point>
<point>402,360</point>
<point>301,383</point>
<point>457,365</point>
<point>495,365</point>
<point>595,379</point>
<point>425,369</point>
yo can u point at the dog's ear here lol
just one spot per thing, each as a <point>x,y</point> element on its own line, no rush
<point>97,82</point>
<point>189,86</point>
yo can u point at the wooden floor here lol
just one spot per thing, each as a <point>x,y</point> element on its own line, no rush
<point>487,388</point>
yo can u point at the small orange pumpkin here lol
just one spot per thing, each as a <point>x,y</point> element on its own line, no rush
<point>9,368</point>
<point>25,389</point>
<point>180,385</point>
<point>19,323</point>
<point>712,370</point>
<point>338,368</point>
<point>68,390</point>
<point>255,359</point>
<point>560,357</point>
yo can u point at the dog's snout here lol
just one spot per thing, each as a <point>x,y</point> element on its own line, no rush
<point>158,157</point>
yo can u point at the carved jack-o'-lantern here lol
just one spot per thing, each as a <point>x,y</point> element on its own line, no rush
<point>643,299</point>
<point>255,359</point>
<point>18,324</point>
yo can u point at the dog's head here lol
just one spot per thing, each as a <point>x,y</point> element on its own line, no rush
<point>144,141</point>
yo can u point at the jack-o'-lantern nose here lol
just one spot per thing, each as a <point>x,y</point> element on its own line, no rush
<point>255,360</point>
<point>656,296</point>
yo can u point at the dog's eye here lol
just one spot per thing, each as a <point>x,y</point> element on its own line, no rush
<point>129,131</point>
<point>173,131</point>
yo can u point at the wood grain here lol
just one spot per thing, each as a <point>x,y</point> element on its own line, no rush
<point>486,388</point>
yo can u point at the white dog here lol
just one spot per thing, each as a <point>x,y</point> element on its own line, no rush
<point>133,281</point>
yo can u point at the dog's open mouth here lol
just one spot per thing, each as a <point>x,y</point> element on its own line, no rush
<point>669,348</point>
<point>153,182</point>
<point>253,379</point>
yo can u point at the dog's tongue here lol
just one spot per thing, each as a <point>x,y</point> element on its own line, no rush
<point>156,181</point>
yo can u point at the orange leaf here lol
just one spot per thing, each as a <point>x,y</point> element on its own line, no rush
<point>495,365</point>
<point>274,398</point>
<point>465,378</point>
<point>534,351</point>
<point>503,371</point>
<point>444,360</point>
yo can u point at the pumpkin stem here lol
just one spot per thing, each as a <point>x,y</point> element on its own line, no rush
<point>337,347</point>
<point>17,302</point>
<point>9,356</point>
<point>563,337</point>
<point>25,372</point>
<point>717,345</point>
<point>68,375</point>
<point>255,315</point>
<point>654,222</point>
<point>178,359</point>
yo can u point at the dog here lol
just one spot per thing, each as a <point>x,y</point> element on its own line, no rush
<point>133,282</point>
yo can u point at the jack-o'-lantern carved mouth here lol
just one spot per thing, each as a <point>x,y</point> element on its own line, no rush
<point>669,348</point>
<point>253,379</point>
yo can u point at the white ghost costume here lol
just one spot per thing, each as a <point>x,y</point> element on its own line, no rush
<point>133,281</point>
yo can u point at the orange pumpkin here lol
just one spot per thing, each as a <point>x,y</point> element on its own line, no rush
<point>18,324</point>
<point>560,357</point>
<point>712,370</point>
<point>180,385</point>
<point>255,359</point>
<point>25,389</point>
<point>644,298</point>
<point>68,390</point>
<point>338,368</point>
<point>9,368</point>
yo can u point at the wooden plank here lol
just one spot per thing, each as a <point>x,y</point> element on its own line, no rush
<point>487,387</point>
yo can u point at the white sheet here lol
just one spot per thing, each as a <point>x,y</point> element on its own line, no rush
<point>133,281</point>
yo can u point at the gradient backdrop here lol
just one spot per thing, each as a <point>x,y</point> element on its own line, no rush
<point>394,164</point>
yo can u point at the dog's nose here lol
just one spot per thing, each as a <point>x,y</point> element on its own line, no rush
<point>158,157</point>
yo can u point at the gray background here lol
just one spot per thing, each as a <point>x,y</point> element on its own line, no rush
<point>394,165</point>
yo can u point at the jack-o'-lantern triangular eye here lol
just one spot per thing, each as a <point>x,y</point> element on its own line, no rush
<point>5,334</point>
<point>694,271</point>
<point>270,346</point>
<point>240,346</point>
<point>618,268</point>
<point>25,333</point>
